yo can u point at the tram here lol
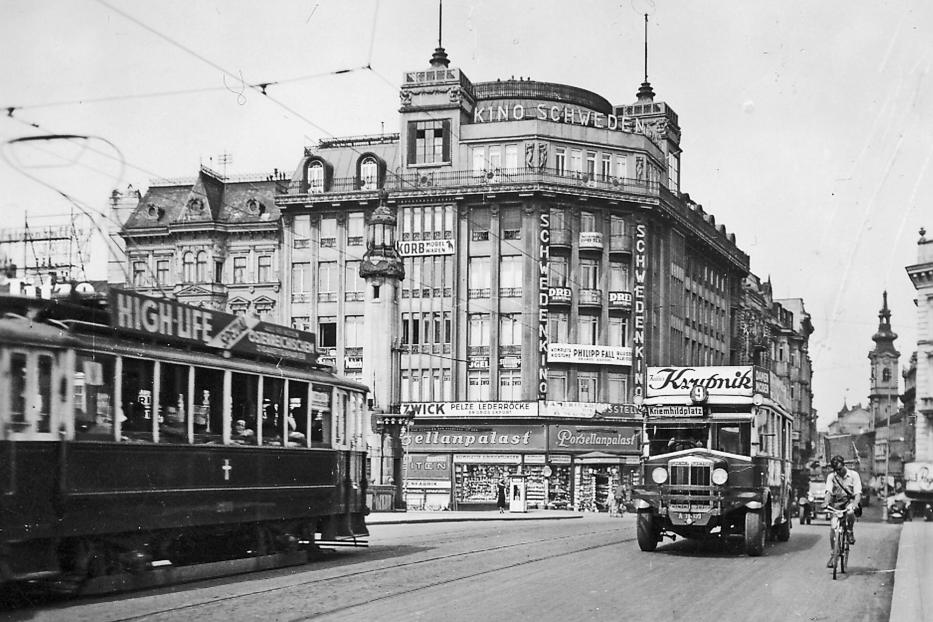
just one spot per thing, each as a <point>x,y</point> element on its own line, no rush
<point>717,457</point>
<point>138,432</point>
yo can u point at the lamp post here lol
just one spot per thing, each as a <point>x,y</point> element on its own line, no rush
<point>887,460</point>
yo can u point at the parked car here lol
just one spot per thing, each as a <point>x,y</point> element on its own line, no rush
<point>816,495</point>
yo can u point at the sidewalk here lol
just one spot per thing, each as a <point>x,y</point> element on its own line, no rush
<point>397,518</point>
<point>911,601</point>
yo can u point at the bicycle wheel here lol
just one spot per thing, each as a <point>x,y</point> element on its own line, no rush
<point>837,551</point>
<point>844,558</point>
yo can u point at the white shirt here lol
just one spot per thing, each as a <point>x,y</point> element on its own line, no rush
<point>838,498</point>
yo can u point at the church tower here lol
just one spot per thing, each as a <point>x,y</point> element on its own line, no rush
<point>883,395</point>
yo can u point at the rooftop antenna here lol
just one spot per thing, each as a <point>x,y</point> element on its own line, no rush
<point>645,92</point>
<point>224,159</point>
<point>439,58</point>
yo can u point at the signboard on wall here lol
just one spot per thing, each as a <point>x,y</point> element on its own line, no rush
<point>639,311</point>
<point>478,438</point>
<point>590,354</point>
<point>417,248</point>
<point>167,320</point>
<point>623,439</point>
<point>469,409</point>
<point>732,381</point>
<point>420,466</point>
<point>918,476</point>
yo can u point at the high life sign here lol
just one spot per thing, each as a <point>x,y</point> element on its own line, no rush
<point>167,320</point>
<point>733,381</point>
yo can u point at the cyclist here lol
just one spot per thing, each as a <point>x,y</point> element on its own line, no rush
<point>843,492</point>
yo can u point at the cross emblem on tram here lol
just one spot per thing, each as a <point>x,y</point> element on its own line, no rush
<point>226,468</point>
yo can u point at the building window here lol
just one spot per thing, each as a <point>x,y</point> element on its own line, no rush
<point>587,385</point>
<point>605,171</point>
<point>327,332</point>
<point>328,232</point>
<point>558,219</point>
<point>510,276</point>
<point>302,229</point>
<point>618,331</point>
<point>510,329</point>
<point>479,277</point>
<point>239,269</point>
<point>265,269</point>
<point>557,386</point>
<point>589,273</point>
<point>618,277</point>
<point>369,174</point>
<point>478,386</point>
<point>618,388</point>
<point>354,284</point>
<point>479,225</point>
<point>511,223</point>
<point>356,229</point>
<point>429,142</point>
<point>353,334</point>
<point>558,327</point>
<point>479,329</point>
<point>673,172</point>
<point>201,267</point>
<point>301,280</point>
<point>301,322</point>
<point>587,222</point>
<point>590,166</point>
<point>588,329</point>
<point>162,272</point>
<point>560,160</point>
<point>316,176</point>
<point>576,162</point>
<point>511,159</point>
<point>327,281</point>
<point>495,162</point>
<point>621,167</point>
<point>510,385</point>
<point>558,269</point>
<point>139,274</point>
<point>479,160</point>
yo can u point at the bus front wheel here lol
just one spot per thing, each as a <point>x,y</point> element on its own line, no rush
<point>647,531</point>
<point>754,533</point>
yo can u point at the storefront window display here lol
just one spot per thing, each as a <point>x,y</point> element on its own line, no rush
<point>559,487</point>
<point>476,483</point>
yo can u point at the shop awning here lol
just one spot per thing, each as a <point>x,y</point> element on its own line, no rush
<point>599,457</point>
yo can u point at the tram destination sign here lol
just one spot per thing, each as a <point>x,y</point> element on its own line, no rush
<point>174,322</point>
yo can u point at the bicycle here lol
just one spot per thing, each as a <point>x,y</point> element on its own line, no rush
<point>840,528</point>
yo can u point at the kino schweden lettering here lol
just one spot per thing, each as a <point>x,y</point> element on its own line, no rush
<point>544,244</point>
<point>638,334</point>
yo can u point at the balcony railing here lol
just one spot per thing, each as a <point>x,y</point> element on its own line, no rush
<point>620,243</point>
<point>485,181</point>
<point>590,298</point>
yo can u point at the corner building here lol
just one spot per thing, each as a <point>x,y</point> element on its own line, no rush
<point>546,257</point>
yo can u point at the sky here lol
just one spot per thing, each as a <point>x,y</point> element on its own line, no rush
<point>806,126</point>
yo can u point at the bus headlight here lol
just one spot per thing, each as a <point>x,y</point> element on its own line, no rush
<point>720,476</point>
<point>659,475</point>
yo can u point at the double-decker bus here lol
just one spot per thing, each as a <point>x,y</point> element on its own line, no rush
<point>716,456</point>
<point>148,434</point>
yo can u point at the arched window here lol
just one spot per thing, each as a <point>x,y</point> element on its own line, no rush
<point>885,375</point>
<point>316,176</point>
<point>201,268</point>
<point>369,174</point>
<point>188,267</point>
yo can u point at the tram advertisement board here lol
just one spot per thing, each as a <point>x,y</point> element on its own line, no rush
<point>168,320</point>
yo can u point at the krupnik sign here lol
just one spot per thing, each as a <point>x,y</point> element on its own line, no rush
<point>722,381</point>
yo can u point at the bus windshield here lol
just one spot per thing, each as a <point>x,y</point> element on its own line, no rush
<point>667,438</point>
<point>732,437</point>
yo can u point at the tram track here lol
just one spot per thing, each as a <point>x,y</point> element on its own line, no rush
<point>367,576</point>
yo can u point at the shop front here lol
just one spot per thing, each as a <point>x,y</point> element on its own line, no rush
<point>603,456</point>
<point>480,456</point>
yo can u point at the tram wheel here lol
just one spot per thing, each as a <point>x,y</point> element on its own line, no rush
<point>647,531</point>
<point>754,533</point>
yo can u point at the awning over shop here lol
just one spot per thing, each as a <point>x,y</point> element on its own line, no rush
<point>599,457</point>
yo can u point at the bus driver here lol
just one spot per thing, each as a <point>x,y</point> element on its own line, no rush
<point>843,491</point>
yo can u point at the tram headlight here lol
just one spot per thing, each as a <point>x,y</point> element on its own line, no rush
<point>720,476</point>
<point>659,475</point>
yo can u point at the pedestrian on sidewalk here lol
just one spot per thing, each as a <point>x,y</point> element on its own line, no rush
<point>618,500</point>
<point>500,494</point>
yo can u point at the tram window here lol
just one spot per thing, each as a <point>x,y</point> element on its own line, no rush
<point>244,394</point>
<point>297,414</point>
<point>44,396</point>
<point>321,415</point>
<point>208,405</point>
<point>18,390</point>
<point>173,403</point>
<point>273,409</point>
<point>733,438</point>
<point>93,397</point>
<point>136,388</point>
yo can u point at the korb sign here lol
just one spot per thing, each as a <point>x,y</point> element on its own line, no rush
<point>728,381</point>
